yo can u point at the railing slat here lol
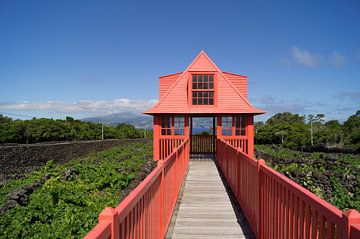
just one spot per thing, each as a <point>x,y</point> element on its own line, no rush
<point>275,206</point>
<point>146,212</point>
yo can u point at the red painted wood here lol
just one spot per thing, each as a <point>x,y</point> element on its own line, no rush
<point>156,136</point>
<point>281,208</point>
<point>147,210</point>
<point>239,81</point>
<point>202,144</point>
<point>355,231</point>
<point>230,91</point>
<point>274,206</point>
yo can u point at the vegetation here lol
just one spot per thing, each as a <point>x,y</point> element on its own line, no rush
<point>333,177</point>
<point>42,130</point>
<point>294,131</point>
<point>72,195</point>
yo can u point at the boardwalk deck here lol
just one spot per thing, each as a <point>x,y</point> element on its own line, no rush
<point>206,209</point>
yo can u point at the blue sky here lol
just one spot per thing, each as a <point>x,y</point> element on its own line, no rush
<point>84,58</point>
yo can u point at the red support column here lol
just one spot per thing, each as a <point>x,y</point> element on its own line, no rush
<point>218,130</point>
<point>187,128</point>
<point>156,137</point>
<point>187,132</point>
<point>250,134</point>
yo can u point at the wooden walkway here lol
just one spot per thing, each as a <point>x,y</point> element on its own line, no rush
<point>205,208</point>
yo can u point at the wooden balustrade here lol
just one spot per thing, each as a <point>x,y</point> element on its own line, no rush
<point>203,144</point>
<point>275,206</point>
<point>168,145</point>
<point>146,212</point>
<point>240,143</point>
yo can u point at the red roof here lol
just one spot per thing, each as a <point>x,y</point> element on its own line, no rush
<point>230,90</point>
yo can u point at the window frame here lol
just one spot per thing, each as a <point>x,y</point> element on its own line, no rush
<point>179,125</point>
<point>242,128</point>
<point>167,129</point>
<point>233,127</point>
<point>229,127</point>
<point>172,126</point>
<point>191,89</point>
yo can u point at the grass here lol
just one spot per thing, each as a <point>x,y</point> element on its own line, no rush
<point>69,208</point>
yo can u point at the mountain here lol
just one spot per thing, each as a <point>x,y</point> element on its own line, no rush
<point>136,119</point>
<point>142,121</point>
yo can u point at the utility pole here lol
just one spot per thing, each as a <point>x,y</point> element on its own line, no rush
<point>311,118</point>
<point>102,131</point>
<point>311,130</point>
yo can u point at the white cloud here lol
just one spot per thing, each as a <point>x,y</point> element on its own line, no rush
<point>337,59</point>
<point>304,57</point>
<point>84,107</point>
<point>308,59</point>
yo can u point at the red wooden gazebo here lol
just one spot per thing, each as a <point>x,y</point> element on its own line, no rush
<point>274,205</point>
<point>203,90</point>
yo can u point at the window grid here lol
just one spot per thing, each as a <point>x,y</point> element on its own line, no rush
<point>240,126</point>
<point>226,125</point>
<point>203,89</point>
<point>179,125</point>
<point>166,125</point>
<point>172,125</point>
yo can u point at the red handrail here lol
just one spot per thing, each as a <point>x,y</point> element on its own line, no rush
<point>277,207</point>
<point>101,231</point>
<point>146,212</point>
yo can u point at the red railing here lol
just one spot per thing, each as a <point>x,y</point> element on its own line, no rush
<point>146,212</point>
<point>277,207</point>
<point>203,144</point>
<point>241,143</point>
<point>167,146</point>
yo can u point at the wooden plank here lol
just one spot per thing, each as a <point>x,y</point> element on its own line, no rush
<point>205,209</point>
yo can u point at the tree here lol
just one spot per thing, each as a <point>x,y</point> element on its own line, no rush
<point>285,118</point>
<point>352,129</point>
<point>42,129</point>
<point>4,119</point>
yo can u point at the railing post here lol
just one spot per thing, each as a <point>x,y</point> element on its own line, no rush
<point>156,133</point>
<point>260,223</point>
<point>161,203</point>
<point>227,162</point>
<point>238,176</point>
<point>176,172</point>
<point>350,217</point>
<point>111,215</point>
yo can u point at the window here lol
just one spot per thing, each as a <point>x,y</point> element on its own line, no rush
<point>166,125</point>
<point>203,89</point>
<point>179,124</point>
<point>240,128</point>
<point>226,125</point>
<point>169,122</point>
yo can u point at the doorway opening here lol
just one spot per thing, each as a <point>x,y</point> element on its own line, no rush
<point>203,134</point>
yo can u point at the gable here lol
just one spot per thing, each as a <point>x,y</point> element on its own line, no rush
<point>230,91</point>
<point>202,63</point>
